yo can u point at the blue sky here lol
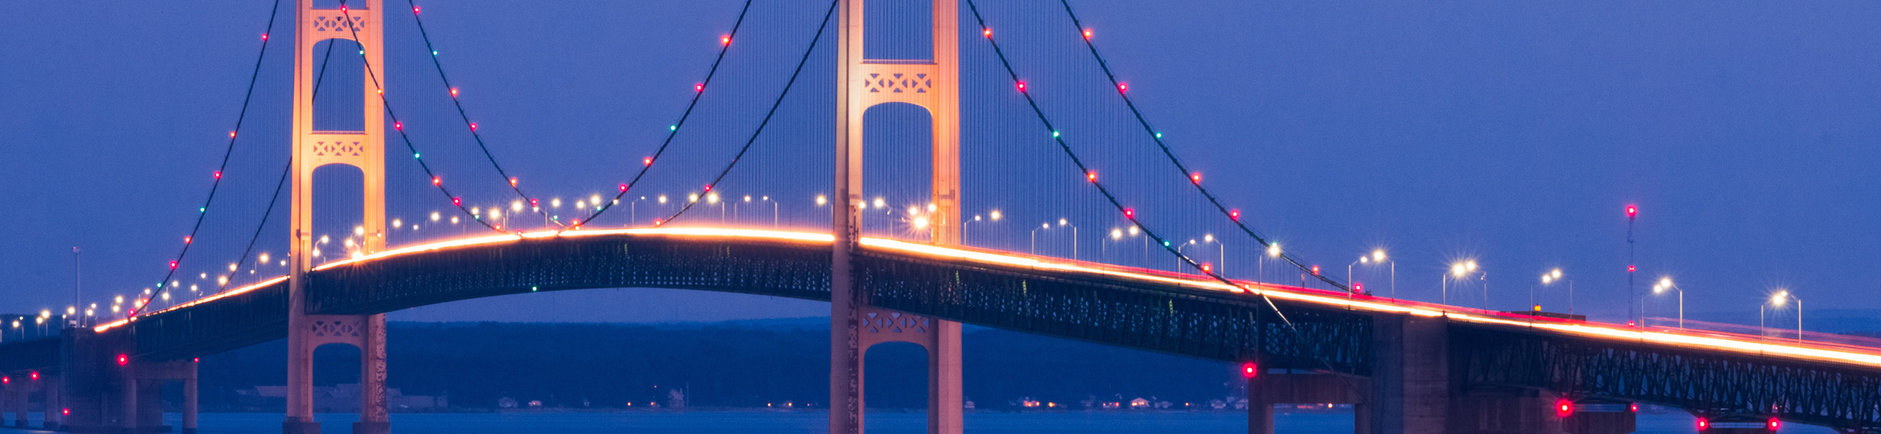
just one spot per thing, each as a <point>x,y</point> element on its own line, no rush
<point>1508,132</point>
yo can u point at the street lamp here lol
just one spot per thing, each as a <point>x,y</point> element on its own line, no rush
<point>993,215</point>
<point>1273,251</point>
<point>1549,278</point>
<point>1375,258</point>
<point>1034,236</point>
<point>1777,300</point>
<point>1461,269</point>
<point>1666,283</point>
<point>1103,246</point>
<point>1074,236</point>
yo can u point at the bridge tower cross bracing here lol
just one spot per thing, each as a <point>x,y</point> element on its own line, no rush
<point>932,84</point>
<point>363,149</point>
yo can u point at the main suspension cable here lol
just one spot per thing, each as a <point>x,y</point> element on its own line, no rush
<point>767,115</point>
<point>1233,215</point>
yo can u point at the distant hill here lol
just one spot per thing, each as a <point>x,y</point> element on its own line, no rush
<point>727,364</point>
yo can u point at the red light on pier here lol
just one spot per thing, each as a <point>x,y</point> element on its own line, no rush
<point>34,376</point>
<point>1703,424</point>
<point>1249,370</point>
<point>1774,424</point>
<point>124,360</point>
<point>1563,408</point>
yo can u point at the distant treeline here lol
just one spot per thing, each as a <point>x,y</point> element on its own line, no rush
<point>740,364</point>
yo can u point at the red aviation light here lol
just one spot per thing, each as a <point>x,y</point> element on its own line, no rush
<point>1632,211</point>
<point>1563,408</point>
<point>1249,370</point>
<point>124,360</point>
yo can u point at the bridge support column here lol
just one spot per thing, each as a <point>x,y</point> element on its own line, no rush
<point>54,401</point>
<point>945,400</point>
<point>1410,387</point>
<point>372,406</point>
<point>314,148</point>
<point>127,399</point>
<point>191,399</point>
<point>1260,406</point>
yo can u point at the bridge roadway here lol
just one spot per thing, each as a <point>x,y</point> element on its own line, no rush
<point>1715,374</point>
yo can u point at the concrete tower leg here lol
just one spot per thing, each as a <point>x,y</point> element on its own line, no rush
<point>932,85</point>
<point>312,149</point>
<point>944,398</point>
<point>372,406</point>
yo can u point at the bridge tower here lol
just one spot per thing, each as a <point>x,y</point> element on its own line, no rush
<point>363,149</point>
<point>932,84</point>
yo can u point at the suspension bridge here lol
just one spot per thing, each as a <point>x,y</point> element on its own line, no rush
<point>889,273</point>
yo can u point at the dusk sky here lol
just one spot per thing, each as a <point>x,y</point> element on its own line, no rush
<point>1513,133</point>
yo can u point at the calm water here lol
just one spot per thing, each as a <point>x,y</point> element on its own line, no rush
<point>812,422</point>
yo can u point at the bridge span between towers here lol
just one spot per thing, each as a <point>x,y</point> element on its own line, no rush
<point>1404,363</point>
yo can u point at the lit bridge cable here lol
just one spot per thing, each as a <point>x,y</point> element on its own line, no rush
<point>673,130</point>
<point>1233,215</point>
<point>202,212</point>
<point>768,114</point>
<point>275,199</point>
<point>436,181</point>
<point>1128,213</point>
<point>472,126</point>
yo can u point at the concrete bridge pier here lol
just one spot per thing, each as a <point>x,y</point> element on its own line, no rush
<point>367,332</point>
<point>1413,391</point>
<point>1270,387</point>
<point>52,385</point>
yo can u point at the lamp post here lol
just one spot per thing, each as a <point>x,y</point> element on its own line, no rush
<point>1179,254</point>
<point>1549,278</point>
<point>75,277</point>
<point>1034,236</point>
<point>1074,236</point>
<point>1376,257</point>
<point>1134,232</point>
<point>1459,270</point>
<point>1665,283</point>
<point>1221,254</point>
<point>1273,251</point>
<point>993,216</point>
<point>1103,246</point>
<point>1777,300</point>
